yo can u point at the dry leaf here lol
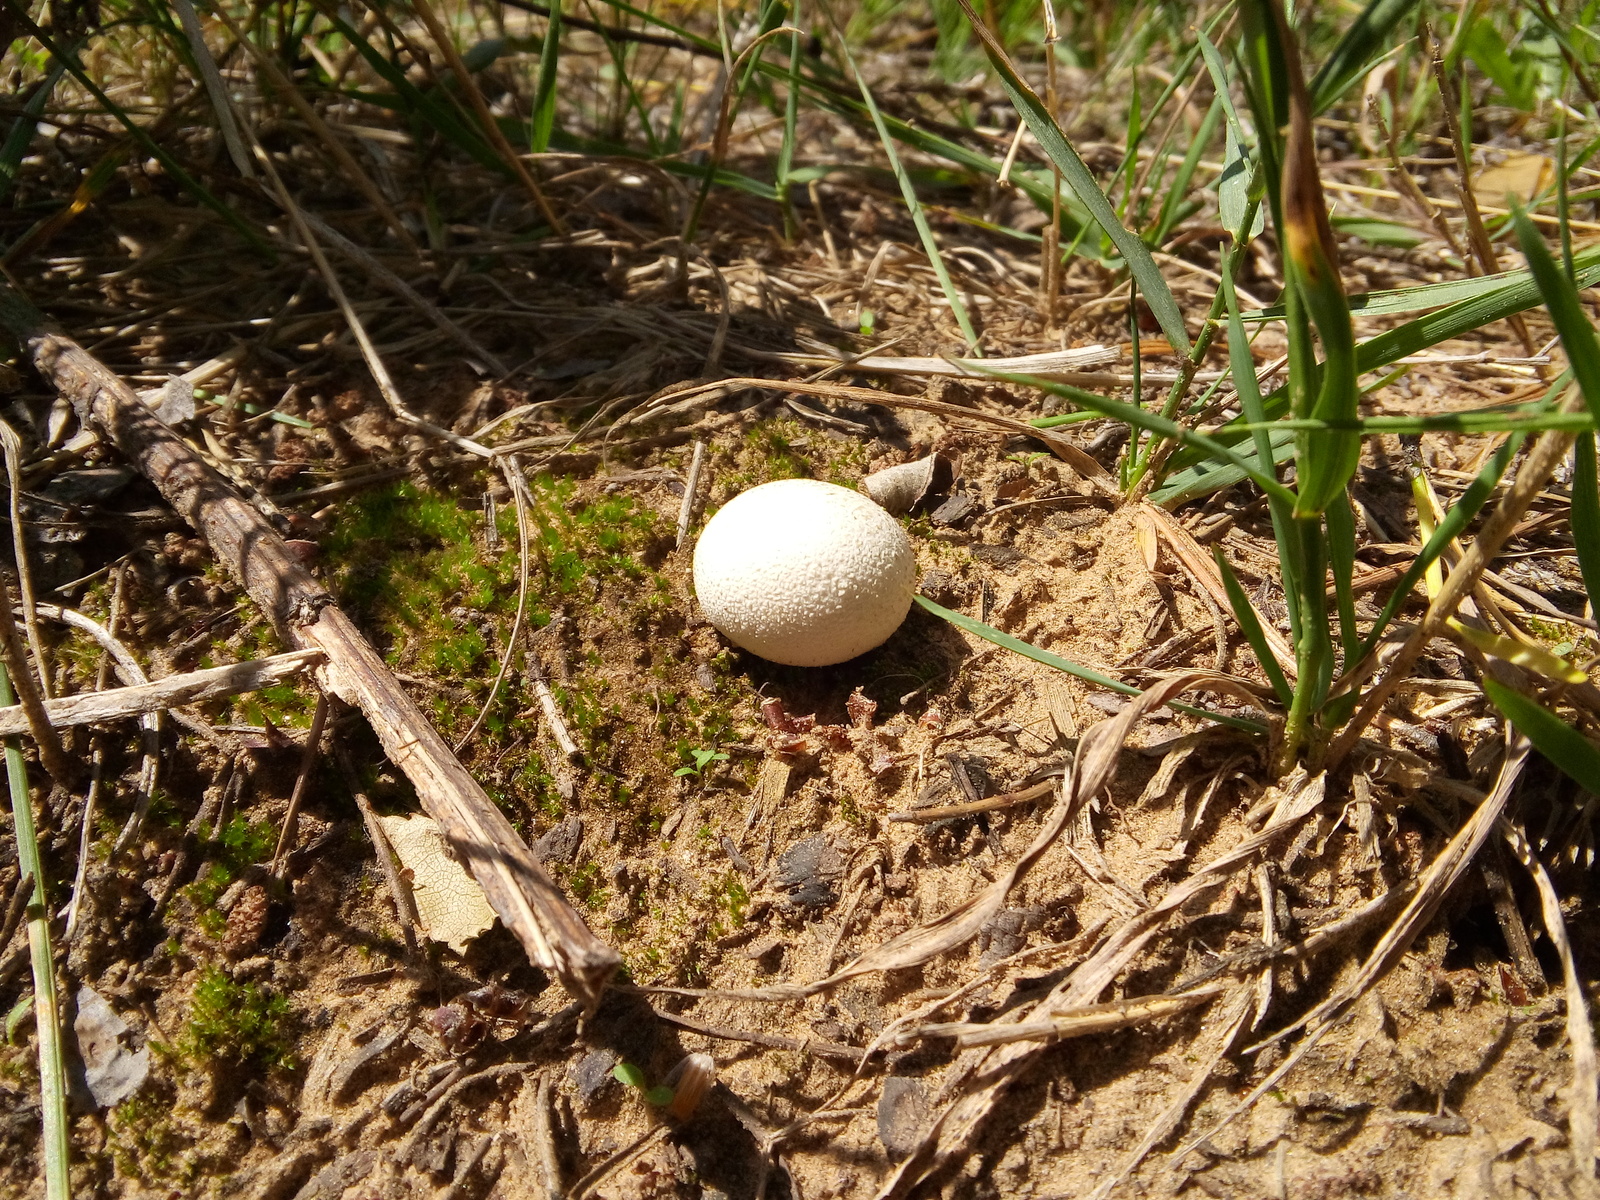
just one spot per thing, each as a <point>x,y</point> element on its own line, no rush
<point>449,901</point>
<point>1149,539</point>
<point>1523,175</point>
<point>113,1069</point>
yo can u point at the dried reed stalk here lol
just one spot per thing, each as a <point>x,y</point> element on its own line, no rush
<point>525,898</point>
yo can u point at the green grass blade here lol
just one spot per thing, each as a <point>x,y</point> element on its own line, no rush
<point>172,166</point>
<point>46,1008</point>
<point>1510,293</point>
<point>544,96</point>
<point>1493,292</point>
<point>1078,177</point>
<point>1242,364</point>
<point>20,136</point>
<point>1561,298</point>
<point>1551,736</point>
<point>791,119</point>
<point>1234,184</point>
<point>1536,419</point>
<point>1151,422</point>
<point>1324,462</point>
<point>918,217</point>
<point>409,98</point>
<point>1178,191</point>
<point>1244,612</point>
<point>1358,51</point>
<point>1456,519</point>
<point>1585,516</point>
<point>1341,526</point>
<point>619,63</point>
<point>1088,674</point>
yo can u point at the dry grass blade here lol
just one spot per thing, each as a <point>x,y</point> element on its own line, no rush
<point>1545,456</point>
<point>308,762</point>
<point>1203,569</point>
<point>405,291</point>
<point>1450,864</point>
<point>1096,760</point>
<point>1582,1101</point>
<point>530,904</point>
<point>213,683</point>
<point>480,108</point>
<point>357,177</point>
<point>1090,468</point>
<point>1051,364</point>
<point>1230,1023</point>
<point>36,718</point>
<point>1440,876</point>
<point>954,1127</point>
<point>1082,1021</point>
<point>11,445</point>
<point>215,88</point>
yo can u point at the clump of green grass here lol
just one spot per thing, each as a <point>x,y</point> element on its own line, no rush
<point>236,1023</point>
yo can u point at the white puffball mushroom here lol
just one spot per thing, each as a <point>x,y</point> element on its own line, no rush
<point>804,573</point>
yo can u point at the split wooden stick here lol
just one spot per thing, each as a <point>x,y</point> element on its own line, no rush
<point>214,683</point>
<point>306,616</point>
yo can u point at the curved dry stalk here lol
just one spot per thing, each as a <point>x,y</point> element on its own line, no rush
<point>11,444</point>
<point>97,769</point>
<point>15,659</point>
<point>512,470</point>
<point>709,393</point>
<point>1582,1102</point>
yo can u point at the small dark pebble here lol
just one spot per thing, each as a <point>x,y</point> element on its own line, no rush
<point>807,871</point>
<point>954,510</point>
<point>561,843</point>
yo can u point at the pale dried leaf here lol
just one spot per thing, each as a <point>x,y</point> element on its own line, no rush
<point>450,903</point>
<point>112,1068</point>
<point>1523,175</point>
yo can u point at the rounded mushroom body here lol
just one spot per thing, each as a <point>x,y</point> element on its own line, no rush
<point>804,573</point>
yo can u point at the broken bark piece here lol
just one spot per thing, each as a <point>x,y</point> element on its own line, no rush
<point>517,888</point>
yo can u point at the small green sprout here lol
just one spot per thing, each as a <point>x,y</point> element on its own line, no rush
<point>702,760</point>
<point>631,1076</point>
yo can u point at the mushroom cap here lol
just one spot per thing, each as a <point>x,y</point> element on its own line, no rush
<point>804,573</point>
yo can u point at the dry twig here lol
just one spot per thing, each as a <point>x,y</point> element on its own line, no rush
<point>516,886</point>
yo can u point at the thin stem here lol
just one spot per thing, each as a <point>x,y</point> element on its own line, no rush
<point>46,1010</point>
